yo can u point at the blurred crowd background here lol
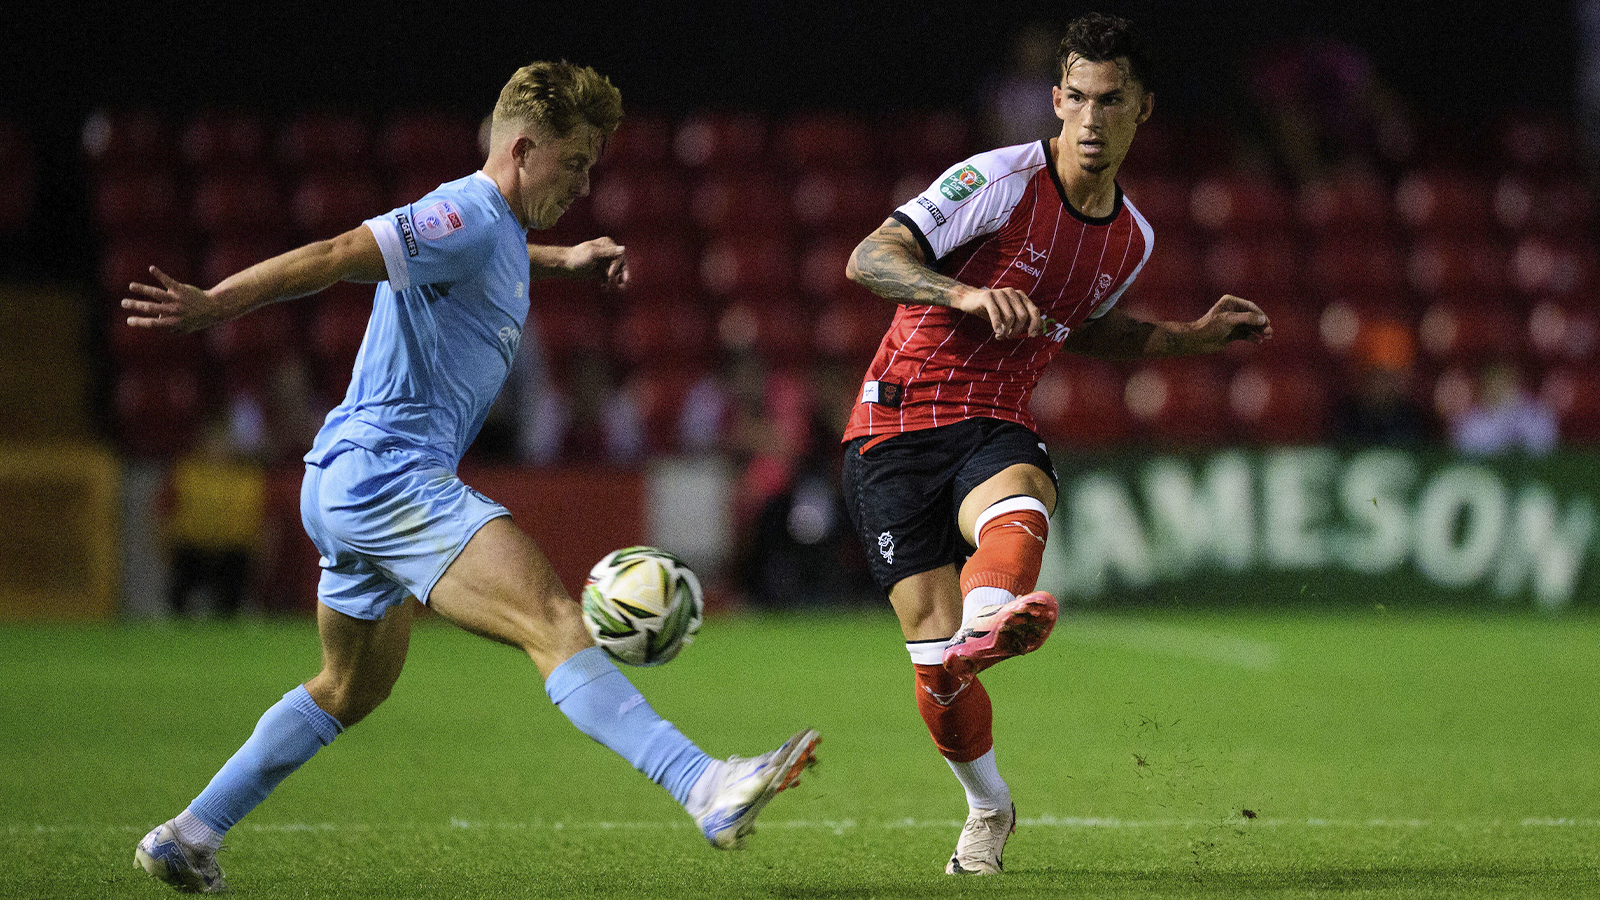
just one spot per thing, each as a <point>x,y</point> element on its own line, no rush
<point>1410,195</point>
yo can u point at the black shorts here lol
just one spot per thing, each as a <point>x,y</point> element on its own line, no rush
<point>904,494</point>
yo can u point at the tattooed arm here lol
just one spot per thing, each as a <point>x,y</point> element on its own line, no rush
<point>1117,335</point>
<point>890,263</point>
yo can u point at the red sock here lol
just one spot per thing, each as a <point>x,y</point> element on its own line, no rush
<point>959,718</point>
<point>1011,536</point>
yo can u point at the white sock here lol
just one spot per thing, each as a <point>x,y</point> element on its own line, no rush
<point>194,832</point>
<point>982,782</point>
<point>704,789</point>
<point>981,598</point>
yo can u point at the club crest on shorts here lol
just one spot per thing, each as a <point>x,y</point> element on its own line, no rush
<point>886,547</point>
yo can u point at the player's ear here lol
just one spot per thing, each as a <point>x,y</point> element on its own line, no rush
<point>1147,105</point>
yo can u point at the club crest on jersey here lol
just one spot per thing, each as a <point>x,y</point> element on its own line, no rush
<point>962,183</point>
<point>438,220</point>
<point>1101,285</point>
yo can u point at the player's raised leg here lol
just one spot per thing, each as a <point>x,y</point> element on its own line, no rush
<point>503,587</point>
<point>361,660</point>
<point>1007,518</point>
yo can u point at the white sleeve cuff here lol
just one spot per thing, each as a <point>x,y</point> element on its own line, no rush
<point>394,251</point>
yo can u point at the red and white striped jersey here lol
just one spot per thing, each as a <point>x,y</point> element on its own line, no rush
<point>999,219</point>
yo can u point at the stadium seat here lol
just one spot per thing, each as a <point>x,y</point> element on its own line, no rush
<point>1544,266</point>
<point>1174,269</point>
<point>245,347</point>
<point>642,142</point>
<point>663,261</point>
<point>326,142</point>
<point>1564,331</point>
<point>929,141</point>
<point>1356,264</point>
<point>1241,205</point>
<point>1283,402</point>
<point>227,142</point>
<point>1438,266</point>
<point>127,257</point>
<point>329,203</point>
<point>1265,269</point>
<point>1559,206</point>
<point>780,331</point>
<point>1164,202</point>
<point>157,409</point>
<point>1078,404</point>
<point>128,140</point>
<point>847,202</point>
<point>1445,202</point>
<point>636,200</point>
<point>244,203</point>
<point>422,146</point>
<point>1574,393</point>
<point>716,140</point>
<point>825,142</point>
<point>136,202</point>
<point>227,255</point>
<point>1537,141</point>
<point>338,324</point>
<point>743,203</point>
<point>850,327</point>
<point>658,396</point>
<point>1469,332</point>
<point>663,333</point>
<point>1183,402</point>
<point>1353,203</point>
<point>822,266</point>
<point>751,265</point>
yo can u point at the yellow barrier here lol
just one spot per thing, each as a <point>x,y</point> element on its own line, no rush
<point>58,532</point>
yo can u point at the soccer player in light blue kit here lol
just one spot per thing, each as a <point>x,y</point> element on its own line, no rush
<point>381,499</point>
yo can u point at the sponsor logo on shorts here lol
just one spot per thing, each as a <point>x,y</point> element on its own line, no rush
<point>962,182</point>
<point>886,547</point>
<point>933,210</point>
<point>439,220</point>
<point>407,235</point>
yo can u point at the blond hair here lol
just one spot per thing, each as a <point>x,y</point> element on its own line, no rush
<point>554,97</point>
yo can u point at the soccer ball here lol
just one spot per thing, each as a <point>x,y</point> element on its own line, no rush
<point>642,604</point>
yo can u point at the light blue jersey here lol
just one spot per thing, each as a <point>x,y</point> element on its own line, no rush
<point>444,328</point>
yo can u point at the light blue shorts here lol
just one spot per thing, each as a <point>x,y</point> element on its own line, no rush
<point>387,524</point>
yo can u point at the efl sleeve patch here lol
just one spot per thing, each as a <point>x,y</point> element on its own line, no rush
<point>438,220</point>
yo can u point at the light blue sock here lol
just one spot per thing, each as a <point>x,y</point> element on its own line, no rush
<point>605,705</point>
<point>289,733</point>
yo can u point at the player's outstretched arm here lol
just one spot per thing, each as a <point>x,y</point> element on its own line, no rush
<point>1117,335</point>
<point>601,259</point>
<point>890,263</point>
<point>352,256</point>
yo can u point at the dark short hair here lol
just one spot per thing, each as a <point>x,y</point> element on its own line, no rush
<point>1099,38</point>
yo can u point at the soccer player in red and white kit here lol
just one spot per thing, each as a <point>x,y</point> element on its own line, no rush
<point>1011,257</point>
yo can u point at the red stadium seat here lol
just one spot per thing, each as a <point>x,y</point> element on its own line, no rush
<point>715,140</point>
<point>129,140</point>
<point>1174,269</point>
<point>1543,266</point>
<point>642,141</point>
<point>1078,403</point>
<point>1353,203</point>
<point>1183,402</point>
<point>1264,269</point>
<point>244,203</point>
<point>848,202</point>
<point>1356,264</point>
<point>217,141</point>
<point>1574,393</point>
<point>228,255</point>
<point>1280,403</point>
<point>780,332</point>
<point>126,258</point>
<point>658,396</point>
<point>663,334</point>
<point>327,204</point>
<point>1241,205</point>
<point>1560,206</point>
<point>664,262</point>
<point>637,200</point>
<point>326,142</point>
<point>743,203</point>
<point>748,266</point>
<point>826,142</point>
<point>338,324</point>
<point>1564,332</point>
<point>1439,265</point>
<point>1468,332</point>
<point>822,266</point>
<point>1538,141</point>
<point>928,140</point>
<point>1164,201</point>
<point>144,203</point>
<point>157,409</point>
<point>1445,202</point>
<point>850,328</point>
<point>247,346</point>
<point>420,146</point>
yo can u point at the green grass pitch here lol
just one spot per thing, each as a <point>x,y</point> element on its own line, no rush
<point>1151,754</point>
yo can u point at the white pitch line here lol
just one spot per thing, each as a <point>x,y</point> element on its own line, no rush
<point>842,826</point>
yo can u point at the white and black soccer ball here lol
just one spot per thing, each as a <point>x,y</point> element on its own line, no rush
<point>642,605</point>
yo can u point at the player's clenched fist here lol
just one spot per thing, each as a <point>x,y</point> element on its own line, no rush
<point>1009,311</point>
